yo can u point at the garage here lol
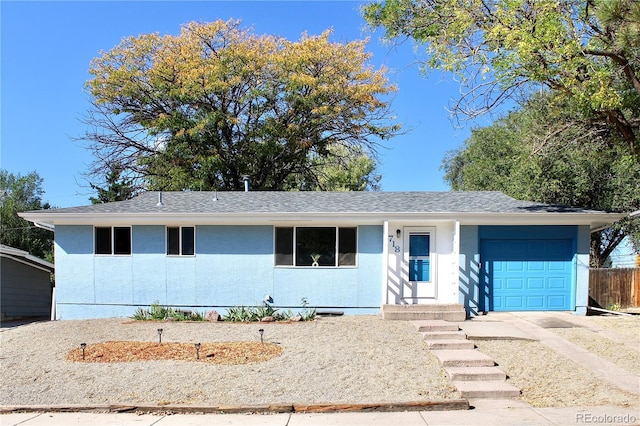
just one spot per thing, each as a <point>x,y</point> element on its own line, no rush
<point>528,274</point>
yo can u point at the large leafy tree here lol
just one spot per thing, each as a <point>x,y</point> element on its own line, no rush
<point>17,194</point>
<point>553,155</point>
<point>584,50</point>
<point>204,108</point>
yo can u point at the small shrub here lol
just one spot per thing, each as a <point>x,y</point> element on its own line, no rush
<point>158,313</point>
<point>240,314</point>
<point>256,313</point>
<point>141,315</point>
<point>161,313</point>
<point>307,313</point>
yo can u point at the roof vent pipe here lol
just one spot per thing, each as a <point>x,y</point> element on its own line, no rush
<point>160,203</point>
<point>245,178</point>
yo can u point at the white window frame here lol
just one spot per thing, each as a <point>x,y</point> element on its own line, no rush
<point>337,247</point>
<point>166,241</point>
<point>113,240</point>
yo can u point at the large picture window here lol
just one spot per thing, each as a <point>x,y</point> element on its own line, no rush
<point>113,240</point>
<point>315,246</point>
<point>181,240</point>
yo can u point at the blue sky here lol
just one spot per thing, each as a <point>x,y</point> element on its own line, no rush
<point>47,47</point>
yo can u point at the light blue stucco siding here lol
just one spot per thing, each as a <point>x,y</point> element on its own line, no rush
<point>475,288</point>
<point>233,265</point>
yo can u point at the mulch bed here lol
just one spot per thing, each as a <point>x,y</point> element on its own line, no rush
<point>229,353</point>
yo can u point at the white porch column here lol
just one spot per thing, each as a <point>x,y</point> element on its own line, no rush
<point>385,262</point>
<point>455,269</point>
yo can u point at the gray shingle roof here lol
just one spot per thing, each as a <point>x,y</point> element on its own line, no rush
<point>264,202</point>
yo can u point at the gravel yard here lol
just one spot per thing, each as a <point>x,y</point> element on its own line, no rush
<point>622,355</point>
<point>349,359</point>
<point>342,360</point>
<point>548,379</point>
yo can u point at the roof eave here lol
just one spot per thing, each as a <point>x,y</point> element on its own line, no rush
<point>594,219</point>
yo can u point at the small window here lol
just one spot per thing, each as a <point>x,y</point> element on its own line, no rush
<point>103,240</point>
<point>181,240</point>
<point>347,247</point>
<point>315,246</point>
<point>121,240</point>
<point>284,246</point>
<point>419,256</point>
<point>113,240</point>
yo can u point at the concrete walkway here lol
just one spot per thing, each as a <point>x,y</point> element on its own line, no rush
<point>531,325</point>
<point>487,412</point>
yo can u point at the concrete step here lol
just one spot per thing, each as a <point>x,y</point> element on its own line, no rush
<point>425,315</point>
<point>428,326</point>
<point>424,307</point>
<point>451,344</point>
<point>475,374</point>
<point>463,358</point>
<point>453,312</point>
<point>443,335</point>
<point>492,389</point>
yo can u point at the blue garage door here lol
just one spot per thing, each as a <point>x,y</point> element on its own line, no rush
<point>528,275</point>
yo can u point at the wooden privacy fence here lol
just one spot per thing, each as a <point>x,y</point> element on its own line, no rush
<point>615,287</point>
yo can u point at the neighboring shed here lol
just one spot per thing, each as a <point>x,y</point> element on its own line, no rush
<point>25,284</point>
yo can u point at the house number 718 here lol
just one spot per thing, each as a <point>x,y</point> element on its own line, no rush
<point>396,248</point>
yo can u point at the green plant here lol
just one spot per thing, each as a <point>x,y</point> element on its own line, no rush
<point>614,307</point>
<point>283,316</point>
<point>307,313</point>
<point>266,310</point>
<point>141,315</point>
<point>256,313</point>
<point>240,314</point>
<point>156,312</point>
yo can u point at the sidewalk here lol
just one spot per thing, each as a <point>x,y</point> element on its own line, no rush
<point>487,412</point>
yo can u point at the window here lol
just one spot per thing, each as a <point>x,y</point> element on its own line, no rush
<point>419,257</point>
<point>181,240</point>
<point>315,246</point>
<point>113,240</point>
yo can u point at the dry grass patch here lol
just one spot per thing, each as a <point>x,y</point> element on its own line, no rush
<point>229,353</point>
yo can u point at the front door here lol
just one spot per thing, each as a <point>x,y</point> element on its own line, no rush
<point>419,265</point>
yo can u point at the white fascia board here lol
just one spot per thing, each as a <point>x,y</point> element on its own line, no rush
<point>52,219</point>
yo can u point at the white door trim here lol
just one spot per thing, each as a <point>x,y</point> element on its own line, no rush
<point>414,291</point>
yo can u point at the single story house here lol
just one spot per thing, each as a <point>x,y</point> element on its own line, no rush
<point>356,252</point>
<point>25,284</point>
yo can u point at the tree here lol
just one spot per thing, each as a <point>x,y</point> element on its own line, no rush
<point>118,187</point>
<point>201,109</point>
<point>584,50</point>
<point>17,194</point>
<point>345,169</point>
<point>557,156</point>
